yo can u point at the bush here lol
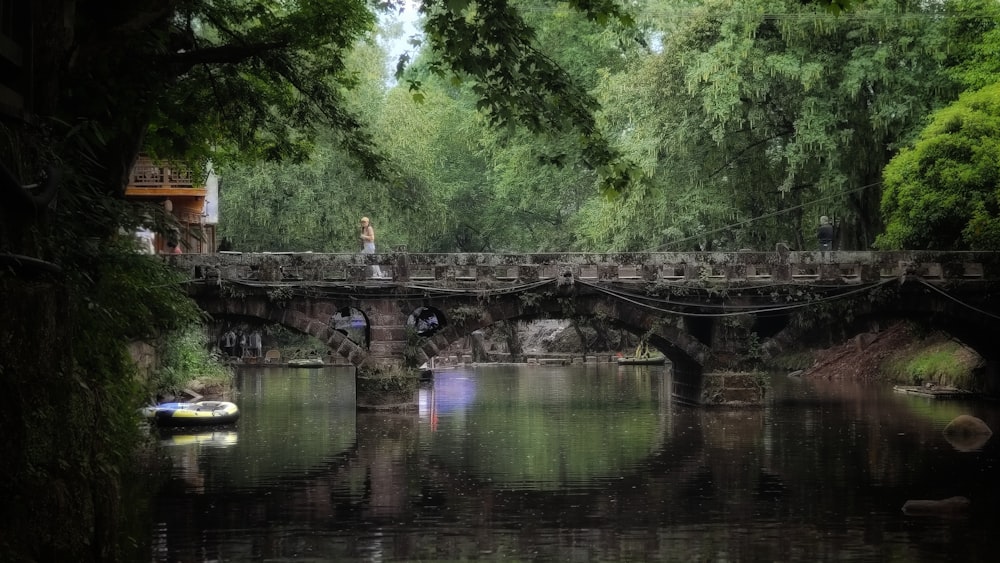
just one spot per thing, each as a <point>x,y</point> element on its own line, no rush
<point>185,356</point>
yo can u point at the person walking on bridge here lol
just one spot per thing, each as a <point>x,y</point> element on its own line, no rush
<point>825,233</point>
<point>368,244</point>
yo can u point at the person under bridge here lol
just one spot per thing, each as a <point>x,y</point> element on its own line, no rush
<point>642,351</point>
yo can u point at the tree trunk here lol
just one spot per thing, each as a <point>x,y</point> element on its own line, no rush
<point>513,341</point>
<point>583,339</point>
<point>602,341</point>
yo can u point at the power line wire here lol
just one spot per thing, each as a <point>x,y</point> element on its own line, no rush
<point>781,308</point>
<point>864,15</point>
<point>664,246</point>
<point>960,302</point>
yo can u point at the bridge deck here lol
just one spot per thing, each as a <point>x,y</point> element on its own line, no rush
<point>840,267</point>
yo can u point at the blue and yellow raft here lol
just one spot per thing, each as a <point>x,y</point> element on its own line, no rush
<point>203,413</point>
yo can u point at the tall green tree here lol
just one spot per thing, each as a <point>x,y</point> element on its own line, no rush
<point>516,188</point>
<point>752,108</point>
<point>973,41</point>
<point>490,45</point>
<point>436,141</point>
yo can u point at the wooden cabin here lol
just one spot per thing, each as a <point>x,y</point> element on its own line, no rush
<point>194,206</point>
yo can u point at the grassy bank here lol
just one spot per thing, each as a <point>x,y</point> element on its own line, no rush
<point>936,359</point>
<point>900,354</point>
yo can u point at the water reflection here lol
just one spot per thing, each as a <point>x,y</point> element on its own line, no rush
<point>585,463</point>
<point>194,439</point>
<point>536,432</point>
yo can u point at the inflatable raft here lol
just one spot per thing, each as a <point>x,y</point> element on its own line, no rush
<point>307,363</point>
<point>203,413</point>
<point>642,357</point>
<point>657,360</point>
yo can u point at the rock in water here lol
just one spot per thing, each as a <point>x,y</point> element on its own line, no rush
<point>945,507</point>
<point>967,433</point>
<point>967,425</point>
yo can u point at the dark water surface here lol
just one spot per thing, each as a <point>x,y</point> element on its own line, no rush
<point>576,463</point>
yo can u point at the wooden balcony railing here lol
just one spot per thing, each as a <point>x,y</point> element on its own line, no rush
<point>148,174</point>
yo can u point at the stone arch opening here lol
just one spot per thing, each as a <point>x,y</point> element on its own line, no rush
<point>426,321</point>
<point>678,345</point>
<point>352,323</point>
<point>238,337</point>
<point>766,325</point>
<point>311,318</point>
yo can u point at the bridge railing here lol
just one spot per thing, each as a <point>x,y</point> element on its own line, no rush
<point>847,267</point>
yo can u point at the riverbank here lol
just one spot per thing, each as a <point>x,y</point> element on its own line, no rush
<point>898,354</point>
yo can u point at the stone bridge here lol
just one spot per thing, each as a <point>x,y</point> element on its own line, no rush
<point>705,311</point>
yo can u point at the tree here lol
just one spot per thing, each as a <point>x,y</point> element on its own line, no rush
<point>974,40</point>
<point>941,191</point>
<point>944,191</point>
<point>192,79</point>
<point>491,45</point>
<point>751,108</point>
<point>515,187</point>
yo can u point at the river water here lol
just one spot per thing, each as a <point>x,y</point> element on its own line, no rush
<point>581,463</point>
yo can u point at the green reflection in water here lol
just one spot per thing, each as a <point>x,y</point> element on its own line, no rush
<point>292,420</point>
<point>540,429</point>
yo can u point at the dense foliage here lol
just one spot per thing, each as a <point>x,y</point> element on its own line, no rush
<point>757,117</point>
<point>518,125</point>
<point>739,124</point>
<point>944,193</point>
<point>229,80</point>
<point>941,192</point>
<point>187,355</point>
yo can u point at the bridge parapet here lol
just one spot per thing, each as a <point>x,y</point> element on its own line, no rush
<point>464,269</point>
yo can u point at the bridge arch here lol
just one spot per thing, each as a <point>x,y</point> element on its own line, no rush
<point>426,321</point>
<point>967,316</point>
<point>446,320</point>
<point>310,318</point>
<point>353,323</point>
<point>665,334</point>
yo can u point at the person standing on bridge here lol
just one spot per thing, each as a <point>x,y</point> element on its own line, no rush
<point>825,233</point>
<point>368,244</point>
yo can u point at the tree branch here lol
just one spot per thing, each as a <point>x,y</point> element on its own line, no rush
<point>748,148</point>
<point>225,54</point>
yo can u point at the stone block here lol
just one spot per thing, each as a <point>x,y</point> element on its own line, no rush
<point>527,273</point>
<point>607,271</point>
